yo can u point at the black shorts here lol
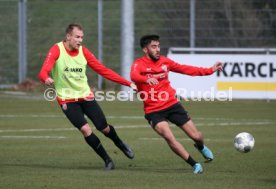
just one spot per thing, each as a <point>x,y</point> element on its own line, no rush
<point>175,114</point>
<point>75,112</point>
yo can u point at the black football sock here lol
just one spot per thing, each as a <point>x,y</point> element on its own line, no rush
<point>191,161</point>
<point>200,146</point>
<point>93,141</point>
<point>113,136</point>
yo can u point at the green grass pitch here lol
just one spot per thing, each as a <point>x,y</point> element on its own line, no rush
<point>40,148</point>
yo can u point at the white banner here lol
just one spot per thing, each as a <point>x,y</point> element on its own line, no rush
<point>243,77</point>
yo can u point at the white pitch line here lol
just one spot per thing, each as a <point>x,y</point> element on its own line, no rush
<point>226,121</point>
<point>183,139</point>
<point>31,116</point>
<point>108,117</point>
<point>125,117</point>
<point>237,123</point>
<point>59,116</point>
<point>132,126</point>
<point>141,126</point>
<point>67,129</point>
<point>119,117</point>
<point>35,130</point>
<point>179,139</point>
<point>161,139</point>
<point>34,137</point>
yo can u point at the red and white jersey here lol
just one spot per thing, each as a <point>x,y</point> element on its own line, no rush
<point>160,96</point>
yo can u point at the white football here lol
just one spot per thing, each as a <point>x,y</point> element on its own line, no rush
<point>244,142</point>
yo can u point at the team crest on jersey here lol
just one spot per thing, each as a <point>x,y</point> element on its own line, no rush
<point>164,67</point>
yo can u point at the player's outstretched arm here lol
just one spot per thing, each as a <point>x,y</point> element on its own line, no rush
<point>133,86</point>
<point>218,66</point>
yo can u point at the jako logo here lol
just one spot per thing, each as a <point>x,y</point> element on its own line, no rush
<point>73,69</point>
<point>247,69</point>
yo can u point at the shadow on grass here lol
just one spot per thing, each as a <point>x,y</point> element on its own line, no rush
<point>126,167</point>
<point>97,167</point>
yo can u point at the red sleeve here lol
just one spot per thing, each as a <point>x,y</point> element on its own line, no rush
<point>135,73</point>
<point>103,70</point>
<point>49,62</point>
<point>190,70</point>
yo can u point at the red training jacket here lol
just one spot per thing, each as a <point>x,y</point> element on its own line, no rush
<point>160,96</point>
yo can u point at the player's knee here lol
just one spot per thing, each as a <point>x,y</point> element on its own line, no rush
<point>102,126</point>
<point>105,130</point>
<point>86,130</point>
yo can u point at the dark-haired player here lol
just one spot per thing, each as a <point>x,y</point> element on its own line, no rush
<point>150,74</point>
